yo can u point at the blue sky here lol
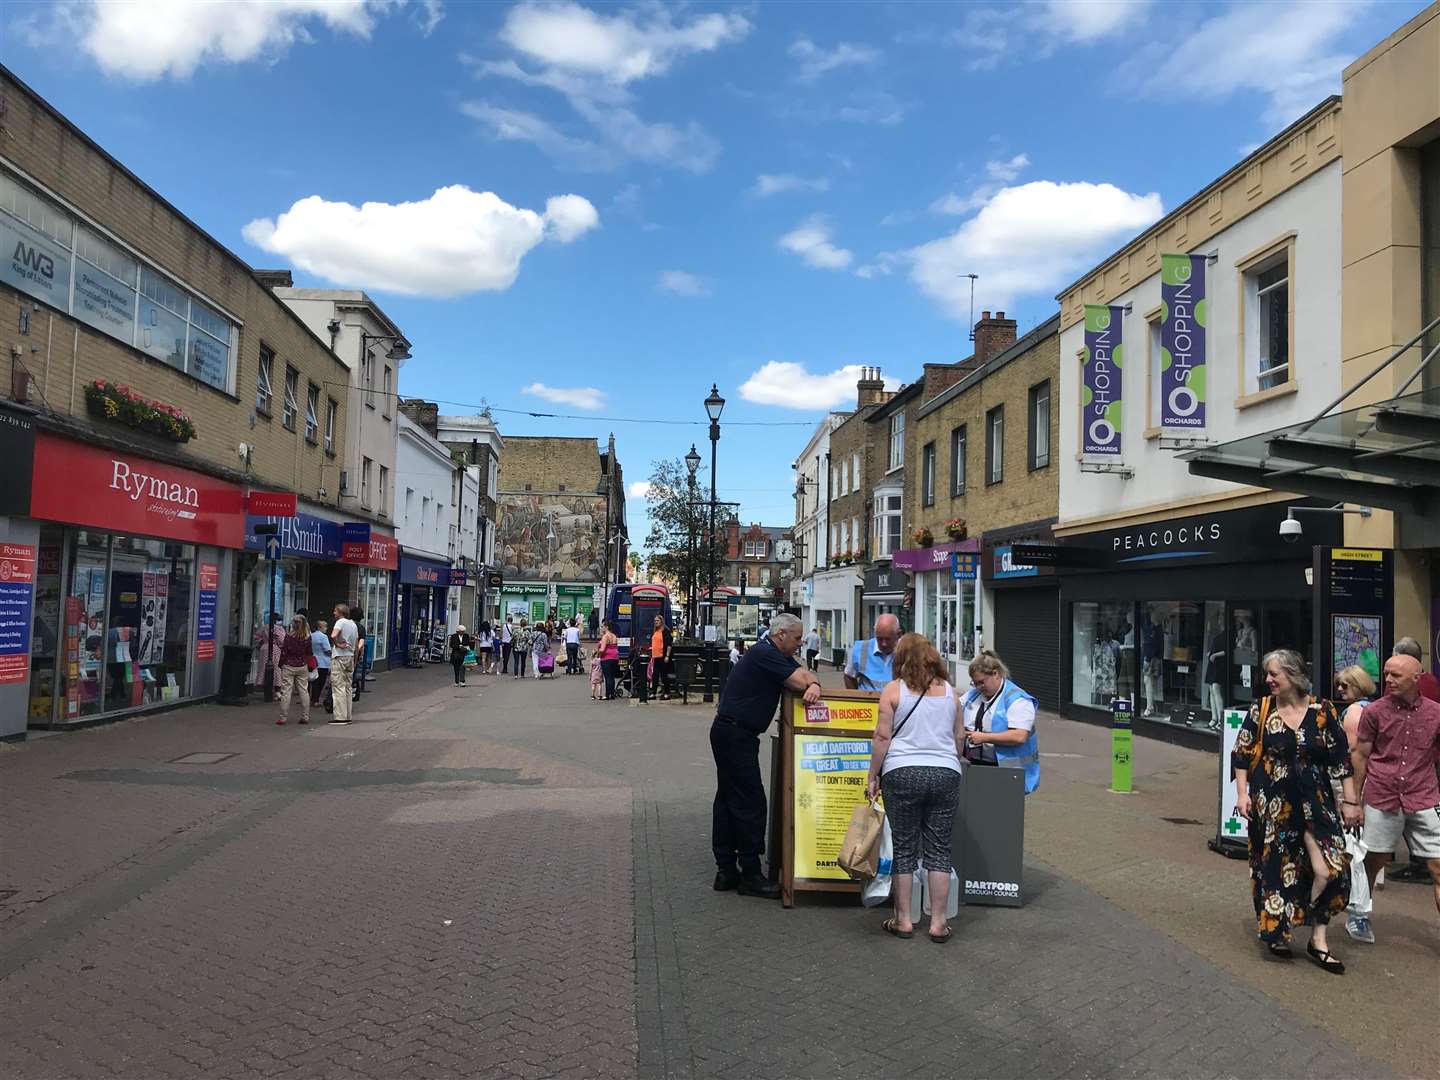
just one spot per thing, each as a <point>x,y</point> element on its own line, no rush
<point>602,210</point>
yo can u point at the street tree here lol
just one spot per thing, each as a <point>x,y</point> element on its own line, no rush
<point>679,526</point>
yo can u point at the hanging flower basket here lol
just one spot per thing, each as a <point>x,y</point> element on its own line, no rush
<point>122,405</point>
<point>957,529</point>
<point>924,537</point>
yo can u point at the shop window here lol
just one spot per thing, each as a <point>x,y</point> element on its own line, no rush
<point>1103,653</point>
<point>1266,328</point>
<point>164,319</point>
<point>331,408</point>
<point>312,413</point>
<point>927,474</point>
<point>105,283</point>
<point>957,462</point>
<point>1182,648</point>
<point>995,445</point>
<point>375,598</point>
<point>888,510</point>
<point>265,381</point>
<point>1038,440</point>
<point>292,398</point>
<point>897,440</point>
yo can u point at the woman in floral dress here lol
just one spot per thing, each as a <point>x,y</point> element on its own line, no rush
<point>1286,753</point>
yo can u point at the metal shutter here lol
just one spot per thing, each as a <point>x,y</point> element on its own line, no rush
<point>1027,637</point>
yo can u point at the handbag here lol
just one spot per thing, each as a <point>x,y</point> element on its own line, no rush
<point>310,663</point>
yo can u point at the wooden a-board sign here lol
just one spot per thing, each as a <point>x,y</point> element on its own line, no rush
<point>817,778</point>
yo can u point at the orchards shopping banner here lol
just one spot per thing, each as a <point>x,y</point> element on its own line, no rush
<point>1182,342</point>
<point>1101,399</point>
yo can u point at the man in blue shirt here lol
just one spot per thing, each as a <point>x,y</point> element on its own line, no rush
<point>752,694</point>
<point>868,667</point>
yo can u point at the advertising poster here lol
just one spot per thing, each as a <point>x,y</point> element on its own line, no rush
<point>1101,388</point>
<point>829,783</point>
<point>745,621</point>
<point>1355,639</point>
<point>1233,828</point>
<point>1182,342</point>
<point>849,715</point>
<point>207,605</point>
<point>17,600</point>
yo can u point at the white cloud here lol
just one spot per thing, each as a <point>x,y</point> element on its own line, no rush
<point>455,242</point>
<point>618,48</point>
<point>872,107</point>
<point>639,489</point>
<point>580,397</point>
<point>992,35</point>
<point>816,61</point>
<point>590,59</point>
<point>147,40</point>
<point>1028,240</point>
<point>811,241</point>
<point>954,205</point>
<point>767,184</point>
<point>682,284</point>
<point>1088,20</point>
<point>791,386</point>
<point>1007,170</point>
<point>1288,53</point>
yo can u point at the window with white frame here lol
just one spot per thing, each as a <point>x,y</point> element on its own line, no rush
<point>886,531</point>
<point>1153,374</point>
<point>835,481</point>
<point>409,504</point>
<point>1038,441</point>
<point>995,445</point>
<point>897,440</point>
<point>385,400</point>
<point>365,468</point>
<point>855,533</point>
<point>835,547</point>
<point>957,461</point>
<point>332,408</point>
<point>765,575</point>
<point>312,413</point>
<point>754,549</point>
<point>264,381</point>
<point>855,469</point>
<point>384,490</point>
<point>1266,285</point>
<point>292,398</point>
<point>927,474</point>
<point>844,536</point>
<point>844,478</point>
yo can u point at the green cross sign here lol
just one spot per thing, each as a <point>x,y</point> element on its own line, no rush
<point>1232,826</point>
<point>1234,719</point>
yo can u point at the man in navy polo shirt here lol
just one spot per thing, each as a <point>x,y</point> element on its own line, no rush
<point>752,694</point>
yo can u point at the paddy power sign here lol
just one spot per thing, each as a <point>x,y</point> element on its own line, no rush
<point>1182,342</point>
<point>1101,397</point>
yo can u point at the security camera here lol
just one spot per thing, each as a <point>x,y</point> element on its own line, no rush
<point>1291,530</point>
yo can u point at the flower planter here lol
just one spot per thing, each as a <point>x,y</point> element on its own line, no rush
<point>121,405</point>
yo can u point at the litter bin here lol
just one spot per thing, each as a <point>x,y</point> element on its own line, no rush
<point>234,674</point>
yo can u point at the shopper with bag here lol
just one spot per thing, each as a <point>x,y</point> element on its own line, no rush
<point>915,761</point>
<point>460,645</point>
<point>296,660</point>
<point>343,635</point>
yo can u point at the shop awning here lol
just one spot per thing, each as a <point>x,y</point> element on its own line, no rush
<point>1385,455</point>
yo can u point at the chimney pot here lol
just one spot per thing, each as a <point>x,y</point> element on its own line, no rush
<point>999,314</point>
<point>984,315</point>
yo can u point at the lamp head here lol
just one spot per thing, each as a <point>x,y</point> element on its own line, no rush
<point>692,460</point>
<point>398,351</point>
<point>714,404</point>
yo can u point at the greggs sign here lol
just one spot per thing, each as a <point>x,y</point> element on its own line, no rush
<point>86,485</point>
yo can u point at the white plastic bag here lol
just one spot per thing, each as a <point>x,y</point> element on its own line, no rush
<point>876,890</point>
<point>952,902</point>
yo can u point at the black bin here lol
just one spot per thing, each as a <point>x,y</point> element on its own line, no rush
<point>234,674</point>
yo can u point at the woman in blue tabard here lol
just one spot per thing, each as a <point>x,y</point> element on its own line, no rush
<point>1000,720</point>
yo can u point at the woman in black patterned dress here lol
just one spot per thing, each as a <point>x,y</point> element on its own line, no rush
<point>1286,753</point>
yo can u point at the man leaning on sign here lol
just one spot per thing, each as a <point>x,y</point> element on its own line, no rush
<point>869,665</point>
<point>748,704</point>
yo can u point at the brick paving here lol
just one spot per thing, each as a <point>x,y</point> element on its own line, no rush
<point>510,881</point>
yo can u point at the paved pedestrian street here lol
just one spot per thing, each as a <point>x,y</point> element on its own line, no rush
<point>508,880</point>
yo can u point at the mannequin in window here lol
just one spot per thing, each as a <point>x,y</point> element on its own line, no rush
<point>1215,672</point>
<point>1152,668</point>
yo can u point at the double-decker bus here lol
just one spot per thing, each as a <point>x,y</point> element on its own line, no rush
<point>632,605</point>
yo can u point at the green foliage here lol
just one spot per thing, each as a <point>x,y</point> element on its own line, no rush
<point>679,526</point>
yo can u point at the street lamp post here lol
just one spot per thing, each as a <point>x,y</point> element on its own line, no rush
<point>692,616</point>
<point>714,406</point>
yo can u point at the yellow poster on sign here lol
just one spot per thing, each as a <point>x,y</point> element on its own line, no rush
<point>833,714</point>
<point>830,777</point>
<point>1357,554</point>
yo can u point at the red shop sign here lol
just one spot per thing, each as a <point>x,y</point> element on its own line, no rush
<point>87,485</point>
<point>271,503</point>
<point>384,553</point>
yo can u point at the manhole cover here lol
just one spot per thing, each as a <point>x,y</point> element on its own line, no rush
<point>1182,821</point>
<point>203,757</point>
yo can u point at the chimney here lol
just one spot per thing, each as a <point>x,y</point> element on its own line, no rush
<point>870,390</point>
<point>275,279</point>
<point>422,413</point>
<point>940,377</point>
<point>992,336</point>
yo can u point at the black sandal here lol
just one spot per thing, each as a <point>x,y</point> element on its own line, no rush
<point>1279,950</point>
<point>1330,963</point>
<point>890,927</point>
<point>940,939</point>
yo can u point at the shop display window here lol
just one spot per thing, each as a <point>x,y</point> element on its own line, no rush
<point>1184,649</point>
<point>47,633</point>
<point>1103,658</point>
<point>375,599</point>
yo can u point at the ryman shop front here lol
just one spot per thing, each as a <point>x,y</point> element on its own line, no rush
<point>1175,615</point>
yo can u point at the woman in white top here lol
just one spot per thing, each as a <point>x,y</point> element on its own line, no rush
<point>916,762</point>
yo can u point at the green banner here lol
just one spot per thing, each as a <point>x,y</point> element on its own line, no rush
<point>1121,744</point>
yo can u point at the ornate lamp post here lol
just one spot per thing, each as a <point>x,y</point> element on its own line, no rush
<point>692,462</point>
<point>714,406</point>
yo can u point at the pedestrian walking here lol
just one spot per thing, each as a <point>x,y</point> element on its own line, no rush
<point>747,705</point>
<point>1000,720</point>
<point>915,758</point>
<point>572,648</point>
<point>460,645</point>
<point>343,636</point>
<point>812,650</point>
<point>296,657</point>
<point>1429,684</point>
<point>520,647</point>
<point>597,678</point>
<point>594,618</point>
<point>1354,690</point>
<point>661,643</point>
<point>496,649</point>
<point>1286,752</point>
<point>868,664</point>
<point>268,640</point>
<point>1397,752</point>
<point>539,648</point>
<point>608,649</point>
<point>507,643</point>
<point>362,650</point>
<point>483,646</point>
<point>320,649</point>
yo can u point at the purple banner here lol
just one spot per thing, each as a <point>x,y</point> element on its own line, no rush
<point>1182,341</point>
<point>920,560</point>
<point>1101,398</point>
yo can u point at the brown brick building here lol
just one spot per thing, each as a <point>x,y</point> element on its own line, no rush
<point>764,555</point>
<point>105,281</point>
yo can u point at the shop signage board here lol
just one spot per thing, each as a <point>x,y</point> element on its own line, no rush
<point>1182,343</point>
<point>1102,386</point>
<point>936,557</point>
<point>307,536</point>
<point>81,484</point>
<point>459,578</point>
<point>17,602</point>
<point>276,504</point>
<point>1354,610</point>
<point>354,541</point>
<point>818,777</point>
<point>1007,565</point>
<point>964,565</point>
<point>207,606</point>
<point>17,451</point>
<point>416,571</point>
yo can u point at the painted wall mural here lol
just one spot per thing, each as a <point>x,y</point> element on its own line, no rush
<point>551,537</point>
